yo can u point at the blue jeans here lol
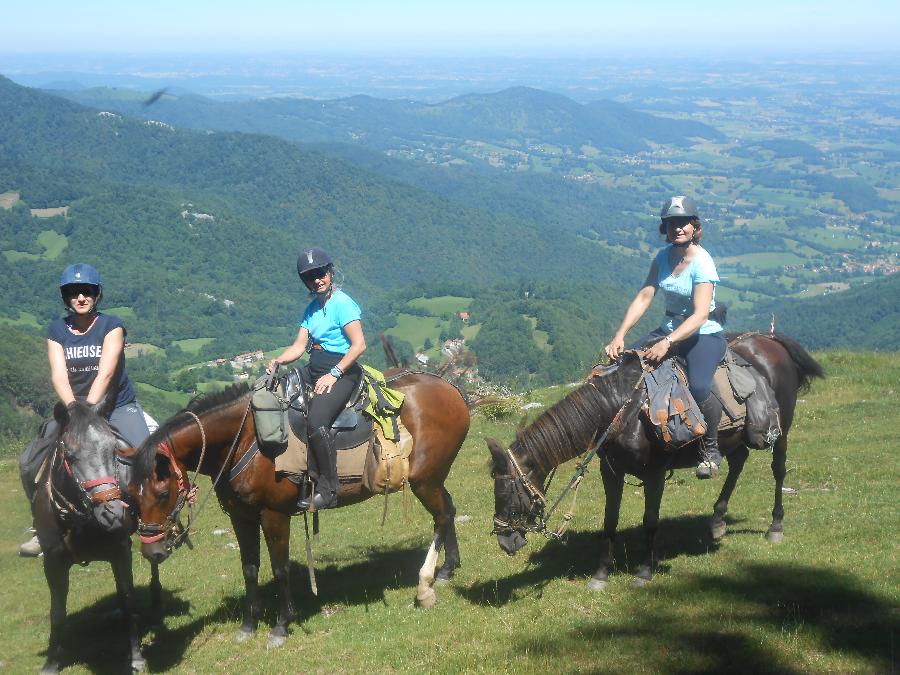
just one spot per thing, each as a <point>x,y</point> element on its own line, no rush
<point>702,353</point>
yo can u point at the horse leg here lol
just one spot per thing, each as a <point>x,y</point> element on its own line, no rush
<point>246,529</point>
<point>437,500</point>
<point>56,570</point>
<point>451,545</point>
<point>654,484</point>
<point>613,484</point>
<point>121,567</point>
<point>775,535</point>
<point>156,607</point>
<point>736,460</point>
<point>277,530</point>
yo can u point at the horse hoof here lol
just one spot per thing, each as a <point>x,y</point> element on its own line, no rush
<point>49,669</point>
<point>597,584</point>
<point>426,599</point>
<point>718,531</point>
<point>242,635</point>
<point>639,582</point>
<point>774,537</point>
<point>138,665</point>
<point>275,641</point>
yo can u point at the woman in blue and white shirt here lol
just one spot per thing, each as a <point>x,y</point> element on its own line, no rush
<point>686,274</point>
<point>332,332</point>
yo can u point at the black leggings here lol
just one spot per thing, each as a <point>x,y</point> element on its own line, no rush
<point>324,408</point>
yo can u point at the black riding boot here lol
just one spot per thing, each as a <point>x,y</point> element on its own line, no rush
<point>323,464</point>
<point>710,457</point>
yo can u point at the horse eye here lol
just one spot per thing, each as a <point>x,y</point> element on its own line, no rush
<point>163,496</point>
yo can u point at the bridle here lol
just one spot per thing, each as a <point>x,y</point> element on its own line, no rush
<point>172,530</point>
<point>528,502</point>
<point>89,492</point>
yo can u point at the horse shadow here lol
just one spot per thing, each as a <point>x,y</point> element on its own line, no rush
<point>825,606</point>
<point>80,643</point>
<point>362,583</point>
<point>577,556</point>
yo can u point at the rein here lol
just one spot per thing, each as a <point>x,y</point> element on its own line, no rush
<point>535,519</point>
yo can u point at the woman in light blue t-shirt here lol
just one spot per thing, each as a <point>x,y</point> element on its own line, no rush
<point>686,274</point>
<point>332,332</point>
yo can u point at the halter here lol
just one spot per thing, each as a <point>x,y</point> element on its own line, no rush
<point>88,494</point>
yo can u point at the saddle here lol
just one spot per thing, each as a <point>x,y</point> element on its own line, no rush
<point>748,403</point>
<point>365,453</point>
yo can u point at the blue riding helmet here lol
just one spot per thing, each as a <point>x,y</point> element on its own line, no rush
<point>80,273</point>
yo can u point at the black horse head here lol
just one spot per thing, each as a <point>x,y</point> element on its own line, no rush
<point>88,446</point>
<point>515,511</point>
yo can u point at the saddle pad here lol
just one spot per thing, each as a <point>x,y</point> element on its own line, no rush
<point>351,462</point>
<point>734,412</point>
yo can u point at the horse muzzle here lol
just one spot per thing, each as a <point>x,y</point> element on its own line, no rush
<point>511,542</point>
<point>113,516</point>
<point>155,551</point>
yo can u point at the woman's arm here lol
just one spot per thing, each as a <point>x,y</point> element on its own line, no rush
<point>59,374</point>
<point>292,353</point>
<point>633,314</point>
<point>112,353</point>
<point>702,297</point>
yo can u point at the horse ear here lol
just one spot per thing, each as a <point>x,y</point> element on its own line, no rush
<point>61,414</point>
<point>498,455</point>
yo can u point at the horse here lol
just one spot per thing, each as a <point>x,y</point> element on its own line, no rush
<point>80,515</point>
<point>611,402</point>
<point>212,434</point>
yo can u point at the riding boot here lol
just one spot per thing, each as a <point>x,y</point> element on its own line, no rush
<point>710,457</point>
<point>324,459</point>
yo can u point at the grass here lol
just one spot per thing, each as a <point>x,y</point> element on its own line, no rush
<point>23,319</point>
<point>8,200</point>
<point>122,312</point>
<point>193,345</point>
<point>53,242</point>
<point>823,601</point>
<point>443,304</point>
<point>416,329</point>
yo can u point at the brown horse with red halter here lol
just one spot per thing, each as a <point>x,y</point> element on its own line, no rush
<point>81,515</point>
<point>212,435</point>
<point>606,409</point>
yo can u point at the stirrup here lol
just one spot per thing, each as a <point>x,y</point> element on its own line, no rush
<point>320,502</point>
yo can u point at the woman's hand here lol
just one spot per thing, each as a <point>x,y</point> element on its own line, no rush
<point>615,347</point>
<point>325,383</point>
<point>657,352</point>
<point>270,367</point>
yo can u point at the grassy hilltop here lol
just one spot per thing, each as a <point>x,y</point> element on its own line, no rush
<point>824,601</point>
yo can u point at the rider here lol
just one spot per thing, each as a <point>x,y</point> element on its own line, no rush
<point>687,276</point>
<point>87,363</point>
<point>332,333</point>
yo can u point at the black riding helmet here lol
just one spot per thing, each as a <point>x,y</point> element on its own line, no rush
<point>679,207</point>
<point>312,259</point>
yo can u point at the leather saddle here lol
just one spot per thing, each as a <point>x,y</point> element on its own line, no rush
<point>350,429</point>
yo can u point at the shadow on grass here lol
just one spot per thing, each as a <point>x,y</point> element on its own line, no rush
<point>362,583</point>
<point>709,623</point>
<point>104,620</point>
<point>578,555</point>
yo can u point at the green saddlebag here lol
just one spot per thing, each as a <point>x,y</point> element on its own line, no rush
<point>270,417</point>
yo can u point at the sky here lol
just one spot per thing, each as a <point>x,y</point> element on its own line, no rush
<point>461,27</point>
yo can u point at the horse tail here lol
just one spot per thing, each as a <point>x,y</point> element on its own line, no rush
<point>389,354</point>
<point>807,367</point>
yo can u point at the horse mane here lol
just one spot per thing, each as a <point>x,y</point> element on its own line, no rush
<point>569,426</point>
<point>201,404</point>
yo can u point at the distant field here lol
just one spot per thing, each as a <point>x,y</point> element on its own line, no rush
<point>469,332</point>
<point>761,261</point>
<point>53,242</point>
<point>49,213</point>
<point>122,312</point>
<point>135,349</point>
<point>24,319</point>
<point>442,304</point>
<point>8,199</point>
<point>193,345</point>
<point>415,329</point>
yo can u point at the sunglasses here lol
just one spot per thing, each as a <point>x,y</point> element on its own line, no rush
<point>74,290</point>
<point>680,223</point>
<point>312,275</point>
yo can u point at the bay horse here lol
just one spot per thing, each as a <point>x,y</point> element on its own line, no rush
<point>80,515</point>
<point>434,412</point>
<point>571,426</point>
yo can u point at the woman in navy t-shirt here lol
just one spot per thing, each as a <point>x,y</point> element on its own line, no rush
<point>332,332</point>
<point>87,363</point>
<point>687,276</point>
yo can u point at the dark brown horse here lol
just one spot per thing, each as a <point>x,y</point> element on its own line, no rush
<point>571,426</point>
<point>434,412</point>
<point>80,516</point>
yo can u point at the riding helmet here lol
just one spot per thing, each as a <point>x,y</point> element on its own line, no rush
<point>679,207</point>
<point>312,259</point>
<point>80,273</point>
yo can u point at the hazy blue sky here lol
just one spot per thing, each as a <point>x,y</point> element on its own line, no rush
<point>676,27</point>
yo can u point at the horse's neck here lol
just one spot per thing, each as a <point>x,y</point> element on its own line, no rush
<point>218,432</point>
